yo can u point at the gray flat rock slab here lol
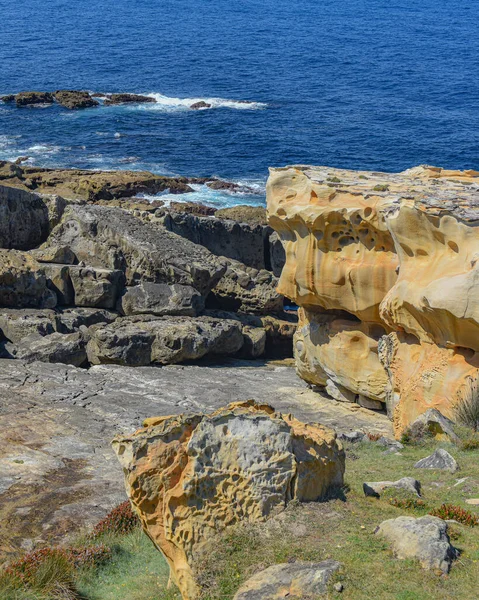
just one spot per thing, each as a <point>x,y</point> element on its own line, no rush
<point>57,421</point>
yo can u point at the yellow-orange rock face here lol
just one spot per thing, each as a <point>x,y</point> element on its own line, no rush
<point>370,255</point>
<point>189,477</point>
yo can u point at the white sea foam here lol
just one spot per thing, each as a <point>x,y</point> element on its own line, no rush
<point>202,194</point>
<point>170,104</point>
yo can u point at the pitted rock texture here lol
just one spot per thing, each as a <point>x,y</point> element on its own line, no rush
<point>395,255</point>
<point>190,477</point>
<point>24,219</point>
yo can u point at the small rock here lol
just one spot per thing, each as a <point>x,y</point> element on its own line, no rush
<point>473,501</point>
<point>388,443</point>
<point>374,488</point>
<point>338,587</point>
<point>128,99</point>
<point>352,436</point>
<point>425,538</point>
<point>437,424</point>
<point>440,460</point>
<point>297,579</point>
<point>199,105</point>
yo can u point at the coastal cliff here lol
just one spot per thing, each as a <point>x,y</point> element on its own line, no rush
<point>384,269</point>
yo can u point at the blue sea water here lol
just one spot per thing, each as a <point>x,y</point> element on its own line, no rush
<point>364,84</point>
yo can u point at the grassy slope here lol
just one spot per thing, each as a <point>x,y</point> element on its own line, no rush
<point>342,529</point>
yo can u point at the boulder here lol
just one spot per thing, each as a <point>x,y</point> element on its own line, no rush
<point>68,349</point>
<point>69,320</point>
<point>17,324</point>
<point>128,99</point>
<point>375,488</point>
<point>246,290</point>
<point>96,288</point>
<point>425,539</point>
<point>24,221</point>
<point>74,99</point>
<point>291,580</point>
<point>29,98</point>
<point>54,254</point>
<point>440,460</point>
<point>352,437</point>
<point>59,281</point>
<point>254,342</point>
<point>8,98</point>
<point>200,105</point>
<point>115,239</point>
<point>191,476</point>
<point>224,237</point>
<point>161,299</point>
<point>396,254</point>
<point>145,340</point>
<point>22,282</point>
<point>437,424</point>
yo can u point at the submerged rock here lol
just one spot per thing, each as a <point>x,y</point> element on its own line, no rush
<point>189,477</point>
<point>29,98</point>
<point>127,99</point>
<point>74,99</point>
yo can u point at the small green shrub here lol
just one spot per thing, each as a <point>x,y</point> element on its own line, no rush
<point>471,443</point>
<point>121,520</point>
<point>401,498</point>
<point>417,434</point>
<point>456,513</point>
<point>362,177</point>
<point>334,179</point>
<point>381,188</point>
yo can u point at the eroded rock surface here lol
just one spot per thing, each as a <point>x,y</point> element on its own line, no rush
<point>189,477</point>
<point>384,267</point>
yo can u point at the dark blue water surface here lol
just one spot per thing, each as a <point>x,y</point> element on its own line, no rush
<point>360,84</point>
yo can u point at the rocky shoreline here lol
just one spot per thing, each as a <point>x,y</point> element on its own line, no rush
<point>88,277</point>
<point>80,99</point>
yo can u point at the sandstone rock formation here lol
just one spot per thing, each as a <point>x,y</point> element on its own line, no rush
<point>189,477</point>
<point>384,267</point>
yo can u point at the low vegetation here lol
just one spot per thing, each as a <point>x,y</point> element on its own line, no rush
<point>116,561</point>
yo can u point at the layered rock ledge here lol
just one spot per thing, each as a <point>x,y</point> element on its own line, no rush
<point>384,268</point>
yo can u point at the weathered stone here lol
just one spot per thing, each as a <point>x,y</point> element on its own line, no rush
<point>74,99</point>
<point>68,349</point>
<point>437,424</point>
<point>54,254</point>
<point>369,403</point>
<point>59,281</point>
<point>224,237</point>
<point>69,320</point>
<point>352,437</point>
<point>137,341</point>
<point>425,539</point>
<point>96,288</point>
<point>247,290</point>
<point>29,98</point>
<point>23,219</point>
<point>17,324</point>
<point>128,99</point>
<point>277,256</point>
<point>389,443</point>
<point>291,580</point>
<point>22,282</point>
<point>207,472</point>
<point>161,299</point>
<point>200,105</point>
<point>375,488</point>
<point>115,239</point>
<point>8,98</point>
<point>280,332</point>
<point>397,252</point>
<point>440,460</point>
<point>254,342</point>
<point>338,392</point>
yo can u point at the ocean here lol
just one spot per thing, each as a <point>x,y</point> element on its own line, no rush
<point>361,84</point>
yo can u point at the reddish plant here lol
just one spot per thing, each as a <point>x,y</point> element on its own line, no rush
<point>121,520</point>
<point>456,513</point>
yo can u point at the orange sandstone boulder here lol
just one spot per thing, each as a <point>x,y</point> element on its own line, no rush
<point>191,476</point>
